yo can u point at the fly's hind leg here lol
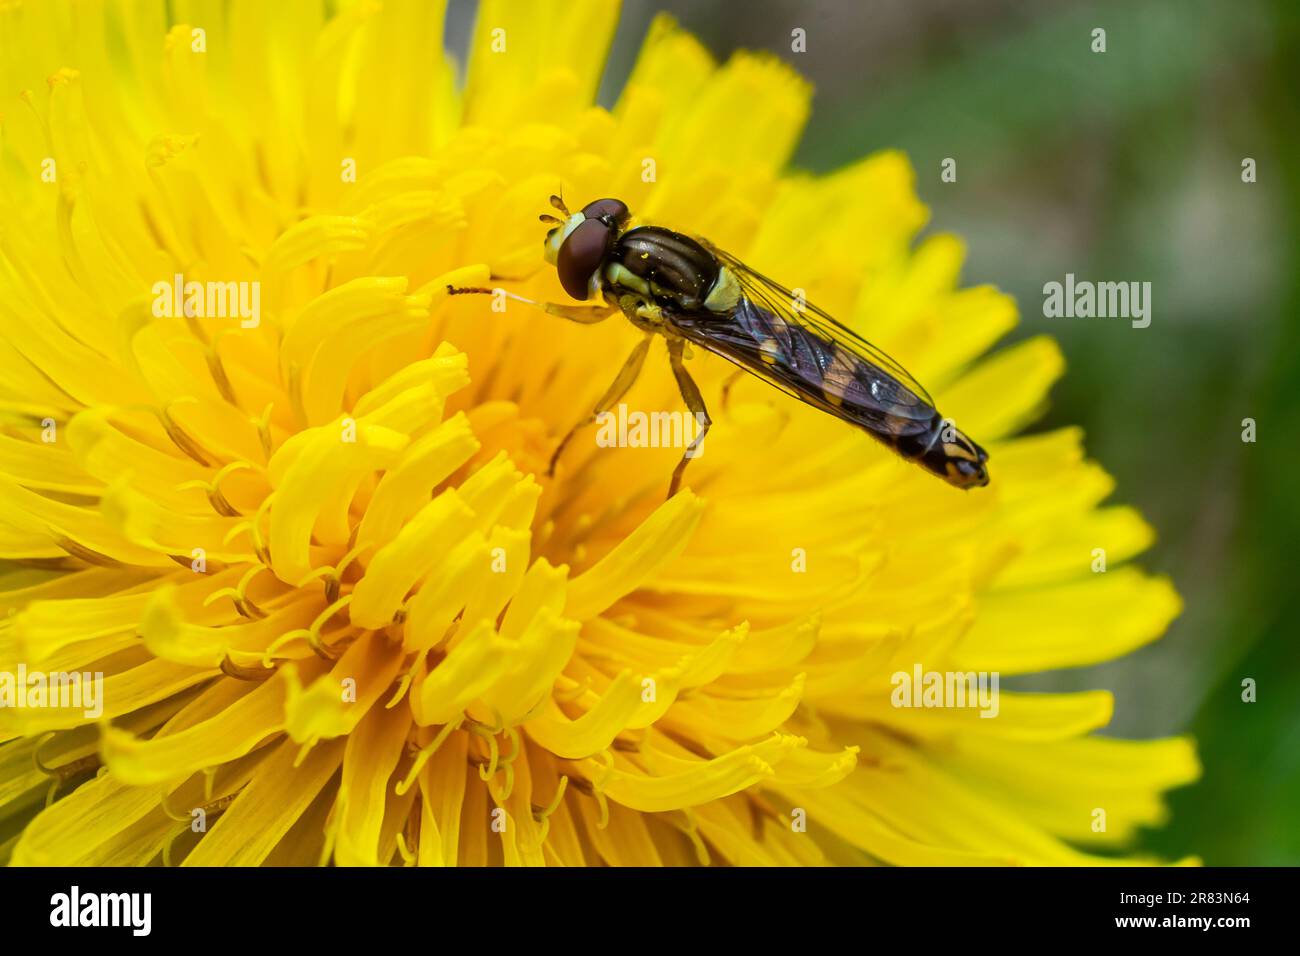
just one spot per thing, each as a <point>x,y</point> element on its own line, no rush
<point>583,314</point>
<point>627,375</point>
<point>728,385</point>
<point>695,402</point>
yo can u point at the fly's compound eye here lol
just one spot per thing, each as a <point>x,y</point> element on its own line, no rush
<point>614,210</point>
<point>580,256</point>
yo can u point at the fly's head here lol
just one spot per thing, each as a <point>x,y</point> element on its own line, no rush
<point>578,244</point>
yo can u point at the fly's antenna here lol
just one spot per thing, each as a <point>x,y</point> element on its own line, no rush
<point>558,203</point>
<point>550,220</point>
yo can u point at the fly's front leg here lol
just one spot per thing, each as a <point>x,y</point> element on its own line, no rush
<point>584,314</point>
<point>618,388</point>
<point>695,402</point>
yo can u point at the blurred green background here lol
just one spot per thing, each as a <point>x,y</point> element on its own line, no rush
<point>1117,166</point>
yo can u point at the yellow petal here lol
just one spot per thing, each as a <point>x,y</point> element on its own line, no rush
<point>334,704</point>
<point>226,736</point>
<point>1081,622</point>
<point>369,760</point>
<point>265,810</point>
<point>635,559</point>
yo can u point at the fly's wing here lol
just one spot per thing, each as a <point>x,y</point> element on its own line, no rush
<point>771,295</point>
<point>808,355</point>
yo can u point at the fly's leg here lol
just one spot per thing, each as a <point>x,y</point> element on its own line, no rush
<point>727,386</point>
<point>618,388</point>
<point>695,402</point>
<point>584,314</point>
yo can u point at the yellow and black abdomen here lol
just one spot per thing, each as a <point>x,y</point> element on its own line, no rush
<point>807,365</point>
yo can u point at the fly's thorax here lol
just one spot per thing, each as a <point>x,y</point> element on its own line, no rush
<point>725,292</point>
<point>662,266</point>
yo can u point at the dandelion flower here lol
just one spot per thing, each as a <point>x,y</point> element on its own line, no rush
<point>341,613</point>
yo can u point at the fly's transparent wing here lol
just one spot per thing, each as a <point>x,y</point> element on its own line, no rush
<point>810,356</point>
<point>780,300</point>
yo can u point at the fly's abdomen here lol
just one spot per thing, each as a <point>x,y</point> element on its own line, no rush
<point>826,374</point>
<point>883,406</point>
<point>662,265</point>
<point>945,451</point>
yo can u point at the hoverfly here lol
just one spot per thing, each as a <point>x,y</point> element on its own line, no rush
<point>688,291</point>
